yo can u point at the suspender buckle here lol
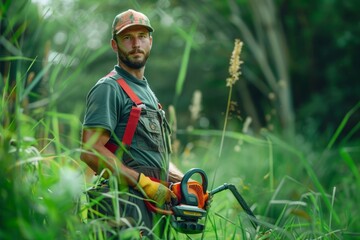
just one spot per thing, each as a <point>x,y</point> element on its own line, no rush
<point>141,105</point>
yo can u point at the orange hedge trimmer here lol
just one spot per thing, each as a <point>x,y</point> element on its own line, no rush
<point>191,205</point>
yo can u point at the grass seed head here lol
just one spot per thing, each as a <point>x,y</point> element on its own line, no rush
<point>235,62</point>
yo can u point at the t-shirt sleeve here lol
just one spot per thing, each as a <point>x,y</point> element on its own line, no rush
<point>102,107</point>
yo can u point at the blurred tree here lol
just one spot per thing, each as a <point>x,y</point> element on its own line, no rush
<point>324,40</point>
<point>265,60</point>
<point>22,48</point>
<point>297,56</point>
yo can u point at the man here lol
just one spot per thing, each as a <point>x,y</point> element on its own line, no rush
<point>146,157</point>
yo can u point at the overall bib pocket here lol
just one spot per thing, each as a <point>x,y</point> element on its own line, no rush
<point>148,133</point>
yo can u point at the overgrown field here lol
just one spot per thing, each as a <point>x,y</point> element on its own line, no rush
<point>299,186</point>
<point>296,191</point>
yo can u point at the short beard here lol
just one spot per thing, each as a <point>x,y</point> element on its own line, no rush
<point>124,58</point>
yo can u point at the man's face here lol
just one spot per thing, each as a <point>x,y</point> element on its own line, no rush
<point>134,45</point>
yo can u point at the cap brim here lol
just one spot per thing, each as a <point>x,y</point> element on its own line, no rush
<point>135,24</point>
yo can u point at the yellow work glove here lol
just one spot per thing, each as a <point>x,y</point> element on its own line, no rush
<point>154,190</point>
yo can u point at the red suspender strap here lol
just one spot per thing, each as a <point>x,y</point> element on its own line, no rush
<point>111,147</point>
<point>131,125</point>
<point>129,91</point>
<point>133,117</point>
<point>134,113</point>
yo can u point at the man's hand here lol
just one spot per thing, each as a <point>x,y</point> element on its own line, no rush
<point>154,190</point>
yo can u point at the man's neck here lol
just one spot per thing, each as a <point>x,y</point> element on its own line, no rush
<point>137,73</point>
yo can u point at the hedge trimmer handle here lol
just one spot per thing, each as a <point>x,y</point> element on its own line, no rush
<point>191,195</point>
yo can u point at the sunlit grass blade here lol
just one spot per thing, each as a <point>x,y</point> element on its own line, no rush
<point>342,126</point>
<point>185,60</point>
<point>228,134</point>
<point>351,164</point>
<point>15,58</point>
<point>35,82</point>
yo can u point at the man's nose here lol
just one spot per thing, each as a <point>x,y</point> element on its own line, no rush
<point>136,42</point>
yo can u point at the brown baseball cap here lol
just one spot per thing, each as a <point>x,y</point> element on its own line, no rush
<point>130,18</point>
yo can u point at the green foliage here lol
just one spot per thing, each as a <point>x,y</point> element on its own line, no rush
<point>302,205</point>
<point>304,187</point>
<point>39,191</point>
<point>322,44</point>
<point>185,62</point>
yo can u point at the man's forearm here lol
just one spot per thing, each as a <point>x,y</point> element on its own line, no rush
<point>100,159</point>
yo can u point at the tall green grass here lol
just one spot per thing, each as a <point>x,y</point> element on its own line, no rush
<point>295,190</point>
<point>301,203</point>
<point>42,180</point>
<point>39,186</point>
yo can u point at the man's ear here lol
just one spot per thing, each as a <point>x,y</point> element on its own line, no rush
<point>114,45</point>
<point>151,40</point>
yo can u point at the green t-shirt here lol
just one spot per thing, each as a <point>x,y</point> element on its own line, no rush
<point>108,107</point>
